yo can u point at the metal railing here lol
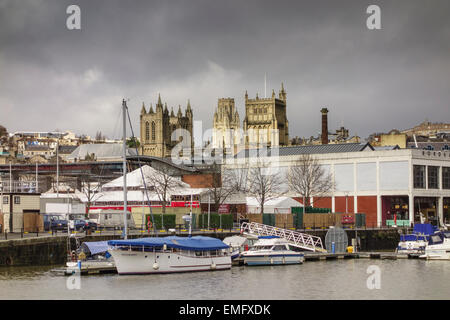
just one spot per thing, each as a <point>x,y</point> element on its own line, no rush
<point>297,239</point>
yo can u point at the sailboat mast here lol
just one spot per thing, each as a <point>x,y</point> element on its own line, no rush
<point>190,219</point>
<point>57,168</point>
<point>124,110</point>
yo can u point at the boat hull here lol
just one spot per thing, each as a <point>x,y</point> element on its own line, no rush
<point>137,262</point>
<point>279,259</point>
<point>436,254</point>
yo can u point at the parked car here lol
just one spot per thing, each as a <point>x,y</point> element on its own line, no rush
<point>79,225</point>
<point>54,222</point>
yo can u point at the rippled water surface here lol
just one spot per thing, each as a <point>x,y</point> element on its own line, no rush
<point>338,279</point>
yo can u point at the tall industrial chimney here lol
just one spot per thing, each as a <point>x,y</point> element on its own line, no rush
<point>324,125</point>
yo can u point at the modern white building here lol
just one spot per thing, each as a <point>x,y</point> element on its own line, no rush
<point>401,186</point>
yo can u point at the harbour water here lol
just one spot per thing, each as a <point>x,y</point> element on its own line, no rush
<point>335,280</point>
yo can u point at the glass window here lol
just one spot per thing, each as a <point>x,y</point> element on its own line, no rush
<point>153,131</point>
<point>16,200</point>
<point>147,131</point>
<point>445,177</point>
<point>419,176</point>
<point>5,200</point>
<point>433,177</point>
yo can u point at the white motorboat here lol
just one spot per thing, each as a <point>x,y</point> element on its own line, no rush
<point>239,244</point>
<point>438,247</point>
<point>416,242</point>
<point>271,251</point>
<point>169,254</point>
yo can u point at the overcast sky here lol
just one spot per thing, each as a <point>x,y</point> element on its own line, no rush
<point>370,80</point>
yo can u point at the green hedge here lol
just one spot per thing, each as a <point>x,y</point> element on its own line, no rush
<point>169,220</point>
<point>214,222</point>
<point>317,210</point>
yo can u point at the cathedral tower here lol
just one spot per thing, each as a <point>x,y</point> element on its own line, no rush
<point>157,128</point>
<point>226,125</point>
<point>266,121</point>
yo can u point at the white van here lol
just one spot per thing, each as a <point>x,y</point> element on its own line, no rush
<point>110,218</point>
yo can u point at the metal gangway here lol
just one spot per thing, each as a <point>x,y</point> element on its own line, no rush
<point>296,239</point>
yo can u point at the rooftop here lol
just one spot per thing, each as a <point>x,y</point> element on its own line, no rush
<point>312,149</point>
<point>101,151</point>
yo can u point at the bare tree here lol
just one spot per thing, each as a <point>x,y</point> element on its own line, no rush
<point>162,184</point>
<point>90,187</point>
<point>223,185</point>
<point>264,183</point>
<point>308,178</point>
<point>236,179</point>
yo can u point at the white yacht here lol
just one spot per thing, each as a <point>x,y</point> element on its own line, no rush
<point>169,254</point>
<point>416,242</point>
<point>438,247</point>
<point>271,251</point>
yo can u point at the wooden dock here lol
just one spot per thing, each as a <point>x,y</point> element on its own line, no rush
<point>319,256</point>
<point>315,256</point>
<point>91,267</point>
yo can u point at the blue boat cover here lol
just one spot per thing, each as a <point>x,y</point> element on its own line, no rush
<point>96,247</point>
<point>424,228</point>
<point>268,237</point>
<point>196,243</point>
<point>412,237</point>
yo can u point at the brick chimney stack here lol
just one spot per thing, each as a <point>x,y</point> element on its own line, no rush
<point>324,125</point>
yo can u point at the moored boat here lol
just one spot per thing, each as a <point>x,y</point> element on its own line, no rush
<point>169,254</point>
<point>92,257</point>
<point>438,247</point>
<point>271,251</point>
<point>416,242</point>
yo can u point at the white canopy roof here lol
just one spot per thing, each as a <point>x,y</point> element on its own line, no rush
<point>134,178</point>
<point>276,205</point>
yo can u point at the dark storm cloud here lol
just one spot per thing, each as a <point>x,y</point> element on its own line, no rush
<point>370,81</point>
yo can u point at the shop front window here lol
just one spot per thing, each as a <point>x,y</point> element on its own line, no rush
<point>447,211</point>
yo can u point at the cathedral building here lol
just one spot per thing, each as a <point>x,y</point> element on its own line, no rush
<point>226,125</point>
<point>266,121</point>
<point>158,125</point>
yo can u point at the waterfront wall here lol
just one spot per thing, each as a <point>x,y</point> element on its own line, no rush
<point>33,251</point>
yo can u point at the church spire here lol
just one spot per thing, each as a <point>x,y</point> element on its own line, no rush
<point>143,111</point>
<point>179,115</point>
<point>151,108</point>
<point>159,105</point>
<point>188,112</point>
<point>159,99</point>
<point>188,105</point>
<point>282,94</point>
